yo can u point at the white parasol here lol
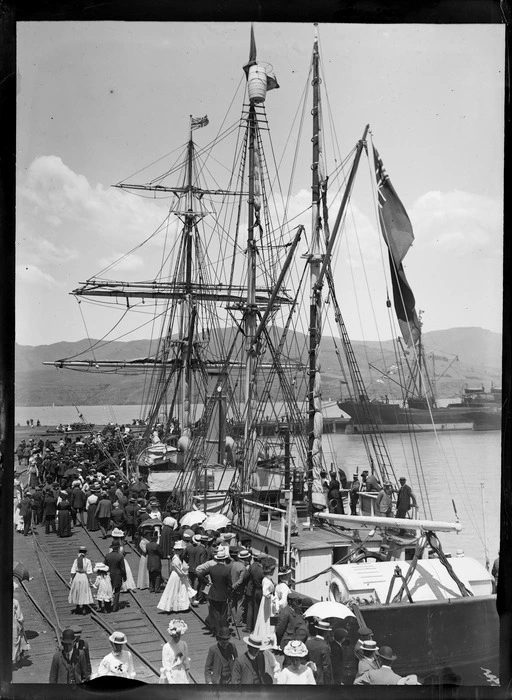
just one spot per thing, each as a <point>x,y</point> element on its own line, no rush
<point>215,521</point>
<point>193,518</point>
<point>329,608</point>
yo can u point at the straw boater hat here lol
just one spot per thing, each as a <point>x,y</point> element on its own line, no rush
<point>179,545</point>
<point>221,555</point>
<point>197,539</point>
<point>254,642</point>
<point>244,554</point>
<point>386,653</point>
<point>369,645</point>
<point>295,648</point>
<point>323,626</point>
<point>117,532</point>
<point>176,625</point>
<point>284,571</point>
<point>82,549</point>
<point>118,638</point>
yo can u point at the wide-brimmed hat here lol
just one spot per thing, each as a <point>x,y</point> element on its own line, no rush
<point>369,645</point>
<point>197,539</point>
<point>179,544</point>
<point>224,633</point>
<point>82,549</point>
<point>386,653</point>
<point>254,642</point>
<point>68,636</point>
<point>323,626</point>
<point>177,625</point>
<point>118,638</point>
<point>284,571</point>
<point>100,567</point>
<point>295,648</point>
<point>117,532</point>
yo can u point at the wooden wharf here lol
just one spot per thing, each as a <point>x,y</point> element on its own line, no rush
<point>48,559</point>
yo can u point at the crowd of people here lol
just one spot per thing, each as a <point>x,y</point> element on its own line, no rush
<point>68,486</point>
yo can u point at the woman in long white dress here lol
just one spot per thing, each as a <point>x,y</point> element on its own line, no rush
<point>143,574</point>
<point>19,640</point>
<point>80,591</point>
<point>264,627</point>
<point>18,495</point>
<point>282,588</point>
<point>178,592</point>
<point>175,658</point>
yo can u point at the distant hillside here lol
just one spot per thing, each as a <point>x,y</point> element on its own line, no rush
<point>478,352</point>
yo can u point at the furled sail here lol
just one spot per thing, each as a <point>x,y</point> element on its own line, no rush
<point>397,231</point>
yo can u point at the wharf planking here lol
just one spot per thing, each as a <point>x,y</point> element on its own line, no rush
<point>147,636</point>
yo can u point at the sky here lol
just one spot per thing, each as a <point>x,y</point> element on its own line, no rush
<point>99,101</point>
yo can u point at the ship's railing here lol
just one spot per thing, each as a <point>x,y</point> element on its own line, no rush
<point>271,527</point>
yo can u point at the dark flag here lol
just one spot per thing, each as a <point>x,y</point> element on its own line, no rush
<point>397,231</point>
<point>198,122</point>
<point>271,78</point>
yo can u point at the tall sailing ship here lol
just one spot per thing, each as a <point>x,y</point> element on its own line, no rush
<point>244,291</point>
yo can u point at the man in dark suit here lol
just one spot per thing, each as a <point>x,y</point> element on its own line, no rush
<point>130,515</point>
<point>50,511</point>
<point>195,555</point>
<point>103,511</point>
<point>68,664</point>
<point>220,589</point>
<point>154,563</point>
<point>25,507</point>
<point>319,652</point>
<point>253,594</point>
<point>249,668</point>
<point>77,500</point>
<point>115,562</point>
<point>221,658</point>
<point>339,640</point>
<point>290,621</point>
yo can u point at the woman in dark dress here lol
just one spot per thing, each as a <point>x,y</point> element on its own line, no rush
<point>64,516</point>
<point>92,523</point>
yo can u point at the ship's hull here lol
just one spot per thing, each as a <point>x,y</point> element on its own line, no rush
<point>394,418</point>
<point>439,640</point>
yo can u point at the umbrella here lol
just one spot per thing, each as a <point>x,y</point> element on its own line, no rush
<point>328,608</point>
<point>215,521</point>
<point>193,518</point>
<point>73,471</point>
<point>150,522</point>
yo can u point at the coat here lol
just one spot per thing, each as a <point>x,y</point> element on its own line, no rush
<point>115,562</point>
<point>103,508</point>
<point>50,506</point>
<point>64,671</point>
<point>220,576</point>
<point>154,557</point>
<point>244,672</point>
<point>319,652</point>
<point>217,660</point>
<point>77,498</point>
<point>380,676</point>
<point>290,625</point>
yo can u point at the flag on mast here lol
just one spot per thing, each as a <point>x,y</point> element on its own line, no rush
<point>397,231</point>
<point>198,122</point>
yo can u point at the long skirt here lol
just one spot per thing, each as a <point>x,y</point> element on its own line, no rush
<point>64,523</point>
<point>167,541</point>
<point>92,521</point>
<point>129,584</point>
<point>80,593</point>
<point>177,594</point>
<point>263,628</point>
<point>104,593</point>
<point>143,575</point>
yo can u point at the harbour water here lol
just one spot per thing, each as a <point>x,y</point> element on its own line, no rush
<point>463,466</point>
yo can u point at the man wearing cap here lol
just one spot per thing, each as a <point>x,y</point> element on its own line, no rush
<point>354,494</point>
<point>154,558</point>
<point>369,661</point>
<point>238,571</point>
<point>68,664</point>
<point>290,621</point>
<point>384,500</point>
<point>195,555</point>
<point>249,669</point>
<point>253,592</point>
<point>218,669</point>
<point>120,661</point>
<point>405,499</point>
<point>364,633</point>
<point>115,562</point>
<point>319,652</point>
<point>383,675</point>
<point>220,577</point>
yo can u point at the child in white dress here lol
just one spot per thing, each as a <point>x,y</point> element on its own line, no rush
<point>103,586</point>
